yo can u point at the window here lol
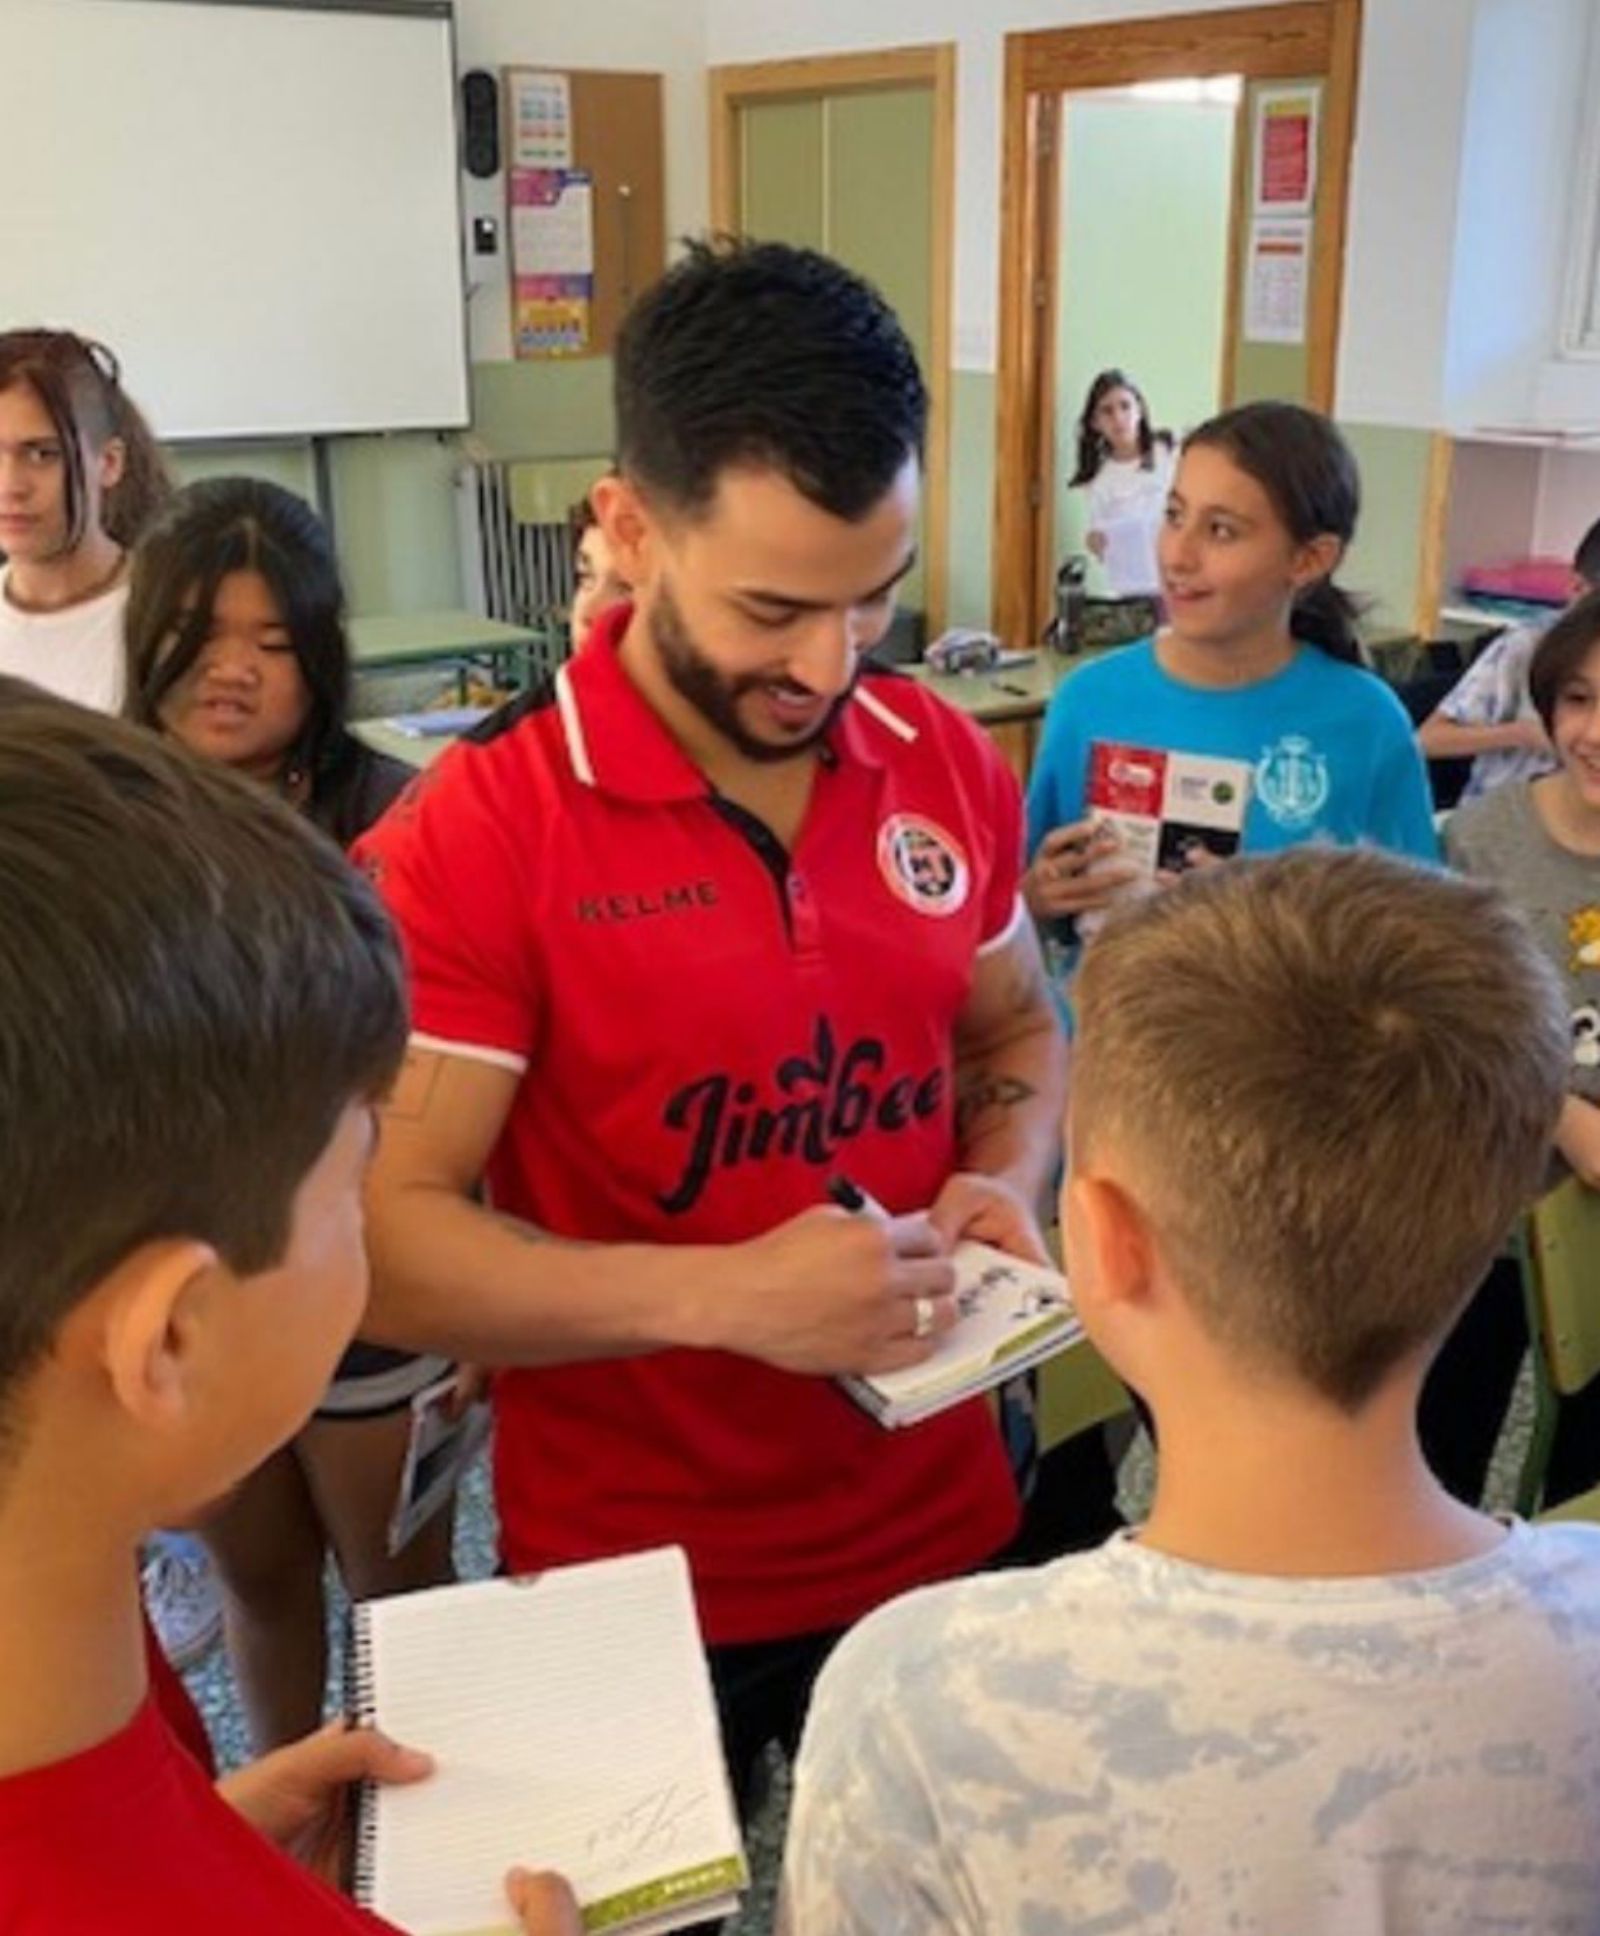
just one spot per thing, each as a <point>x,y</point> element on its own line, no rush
<point>1580,331</point>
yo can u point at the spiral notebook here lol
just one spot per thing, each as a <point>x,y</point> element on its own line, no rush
<point>571,1718</point>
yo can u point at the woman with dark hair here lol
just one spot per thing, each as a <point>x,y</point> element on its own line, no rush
<point>1125,464</point>
<point>237,647</point>
<point>1257,666</point>
<point>80,476</point>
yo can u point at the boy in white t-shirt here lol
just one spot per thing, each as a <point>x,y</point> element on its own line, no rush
<point>1488,715</point>
<point>1313,1693</point>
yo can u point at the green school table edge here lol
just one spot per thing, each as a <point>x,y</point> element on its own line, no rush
<point>397,641</point>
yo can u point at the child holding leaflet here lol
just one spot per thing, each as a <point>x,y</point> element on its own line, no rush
<point>200,1005</point>
<point>1254,681</point>
<point>1313,1692</point>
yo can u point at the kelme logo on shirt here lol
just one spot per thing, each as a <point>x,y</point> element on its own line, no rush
<point>822,1099</point>
<point>1292,781</point>
<point>923,864</point>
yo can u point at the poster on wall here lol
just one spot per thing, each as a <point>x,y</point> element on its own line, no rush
<point>541,119</point>
<point>1285,150</point>
<point>552,261</point>
<point>1277,278</point>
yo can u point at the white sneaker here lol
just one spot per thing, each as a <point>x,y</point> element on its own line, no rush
<point>181,1597</point>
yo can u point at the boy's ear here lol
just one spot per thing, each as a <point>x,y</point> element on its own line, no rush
<point>1115,1241</point>
<point>151,1307</point>
<point>626,521</point>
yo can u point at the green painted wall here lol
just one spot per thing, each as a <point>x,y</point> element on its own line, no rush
<point>1144,254</point>
<point>1383,564</point>
<point>394,508</point>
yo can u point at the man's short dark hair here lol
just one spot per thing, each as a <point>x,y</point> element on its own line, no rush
<point>194,984</point>
<point>1586,559</point>
<point>761,355</point>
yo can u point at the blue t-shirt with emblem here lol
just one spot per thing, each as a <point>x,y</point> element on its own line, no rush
<point>1331,751</point>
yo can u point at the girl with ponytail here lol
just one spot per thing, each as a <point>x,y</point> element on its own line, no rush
<point>1258,664</point>
<point>80,477</point>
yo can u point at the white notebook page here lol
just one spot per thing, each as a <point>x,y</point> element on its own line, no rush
<point>573,1726</point>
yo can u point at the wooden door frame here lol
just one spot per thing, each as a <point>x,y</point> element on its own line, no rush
<point>734,87</point>
<point>1293,41</point>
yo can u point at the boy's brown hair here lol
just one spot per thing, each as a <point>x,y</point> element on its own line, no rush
<point>193,986</point>
<point>1333,1076</point>
<point>1560,654</point>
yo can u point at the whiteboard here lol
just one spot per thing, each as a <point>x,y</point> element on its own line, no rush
<point>256,207</point>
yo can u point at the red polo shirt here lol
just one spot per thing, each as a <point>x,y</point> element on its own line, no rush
<point>707,1027</point>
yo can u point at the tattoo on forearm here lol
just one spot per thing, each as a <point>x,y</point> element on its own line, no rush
<point>983,1091</point>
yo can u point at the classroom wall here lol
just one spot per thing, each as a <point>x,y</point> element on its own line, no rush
<point>1424,92</point>
<point>392,495</point>
<point>1514,216</point>
<point>1144,257</point>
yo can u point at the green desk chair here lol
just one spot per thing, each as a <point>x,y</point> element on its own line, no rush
<point>1560,1253</point>
<point>1585,1507</point>
<point>1077,1390</point>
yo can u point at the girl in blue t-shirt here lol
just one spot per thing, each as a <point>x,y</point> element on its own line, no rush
<point>1256,678</point>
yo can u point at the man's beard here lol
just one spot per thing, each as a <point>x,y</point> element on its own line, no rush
<point>715,696</point>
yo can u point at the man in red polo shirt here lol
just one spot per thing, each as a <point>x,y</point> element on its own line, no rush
<point>718,916</point>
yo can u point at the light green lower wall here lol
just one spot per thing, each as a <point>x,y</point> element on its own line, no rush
<point>396,515</point>
<point>1384,562</point>
<point>393,503</point>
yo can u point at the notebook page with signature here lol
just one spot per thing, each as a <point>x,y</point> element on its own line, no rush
<point>572,1723</point>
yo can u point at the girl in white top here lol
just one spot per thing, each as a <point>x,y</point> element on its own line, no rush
<point>80,475</point>
<point>1126,467</point>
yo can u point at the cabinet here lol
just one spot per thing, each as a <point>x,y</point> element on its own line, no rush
<point>1496,498</point>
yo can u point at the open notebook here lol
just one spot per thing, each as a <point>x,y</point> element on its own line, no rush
<point>572,1721</point>
<point>1013,1315</point>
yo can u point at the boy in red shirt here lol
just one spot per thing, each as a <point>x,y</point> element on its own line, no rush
<point>199,1006</point>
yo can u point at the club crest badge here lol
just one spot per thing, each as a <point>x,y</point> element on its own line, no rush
<point>923,864</point>
<point>1292,781</point>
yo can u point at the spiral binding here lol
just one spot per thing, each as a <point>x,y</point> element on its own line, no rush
<point>361,1704</point>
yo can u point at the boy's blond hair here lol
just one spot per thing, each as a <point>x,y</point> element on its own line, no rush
<point>1332,1077</point>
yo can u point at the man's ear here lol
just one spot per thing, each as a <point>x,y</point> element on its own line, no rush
<point>151,1308</point>
<point>626,520</point>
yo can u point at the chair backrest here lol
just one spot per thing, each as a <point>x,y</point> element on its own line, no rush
<point>1564,1292</point>
<point>1077,1390</point>
<point>1447,779</point>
